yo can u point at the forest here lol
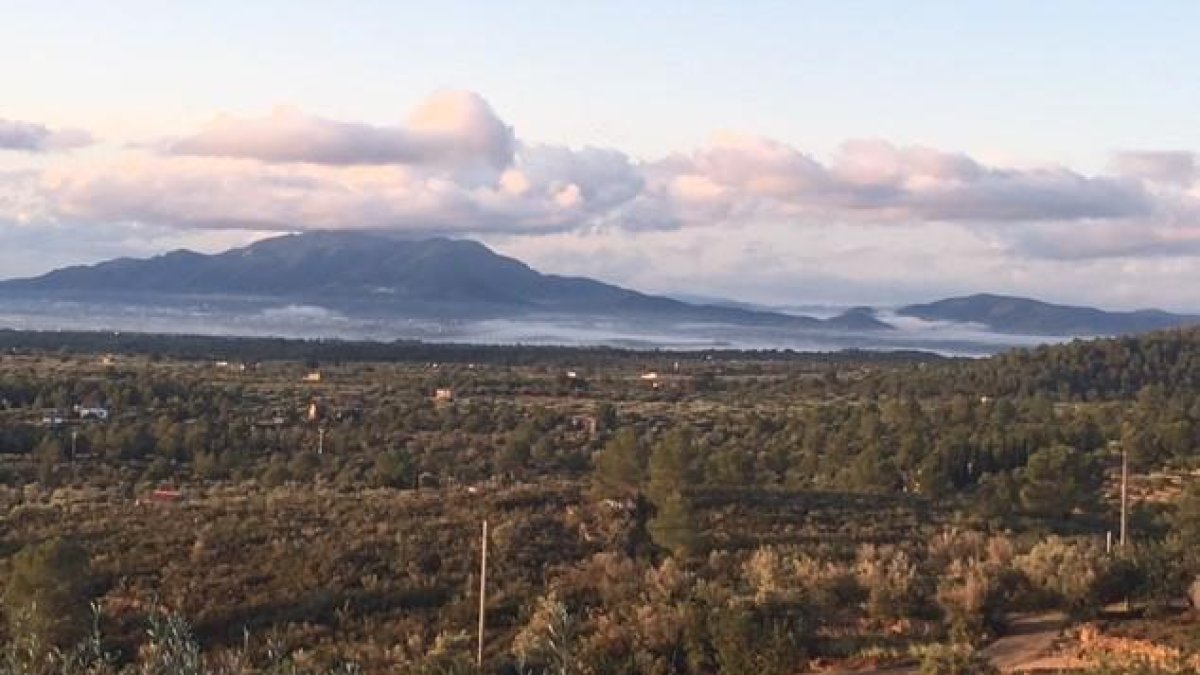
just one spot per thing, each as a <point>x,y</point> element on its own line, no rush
<point>179,504</point>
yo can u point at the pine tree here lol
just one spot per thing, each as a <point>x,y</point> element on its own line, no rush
<point>674,527</point>
<point>672,467</point>
<point>619,471</point>
<point>46,595</point>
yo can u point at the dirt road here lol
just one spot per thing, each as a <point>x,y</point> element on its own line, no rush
<point>1025,647</point>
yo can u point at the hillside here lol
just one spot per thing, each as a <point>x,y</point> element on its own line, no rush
<point>1007,314</point>
<point>450,277</point>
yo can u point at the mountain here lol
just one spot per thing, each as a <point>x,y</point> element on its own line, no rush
<point>446,277</point>
<point>1006,314</point>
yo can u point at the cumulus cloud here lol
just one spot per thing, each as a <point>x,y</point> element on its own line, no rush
<point>740,178</point>
<point>736,181</point>
<point>755,215</point>
<point>31,137</point>
<point>451,128</point>
<point>455,166</point>
<point>545,189</point>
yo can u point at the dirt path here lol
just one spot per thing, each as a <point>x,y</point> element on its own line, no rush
<point>1024,648</point>
<point>1028,641</point>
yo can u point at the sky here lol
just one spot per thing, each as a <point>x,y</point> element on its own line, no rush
<point>785,153</point>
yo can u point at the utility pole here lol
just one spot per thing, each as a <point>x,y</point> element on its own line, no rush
<point>1124,493</point>
<point>74,442</point>
<point>320,440</point>
<point>482,594</point>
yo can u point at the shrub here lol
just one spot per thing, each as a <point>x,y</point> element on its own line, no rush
<point>1069,574</point>
<point>953,659</point>
<point>47,594</point>
<point>890,578</point>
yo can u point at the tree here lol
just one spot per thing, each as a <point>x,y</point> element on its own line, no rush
<point>671,466</point>
<point>47,593</point>
<point>673,526</point>
<point>618,468</point>
<point>1185,527</point>
<point>1058,480</point>
<point>394,469</point>
<point>515,454</point>
<point>1185,523</point>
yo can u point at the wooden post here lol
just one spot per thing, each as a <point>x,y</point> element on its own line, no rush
<point>482,594</point>
<point>1124,493</point>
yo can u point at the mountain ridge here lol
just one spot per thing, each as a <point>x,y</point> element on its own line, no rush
<point>1017,315</point>
<point>459,278</point>
<point>378,269</point>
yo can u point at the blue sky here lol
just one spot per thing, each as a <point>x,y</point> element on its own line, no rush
<point>1065,81</point>
<point>1014,86</point>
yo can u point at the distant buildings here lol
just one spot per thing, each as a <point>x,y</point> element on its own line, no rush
<point>97,414</point>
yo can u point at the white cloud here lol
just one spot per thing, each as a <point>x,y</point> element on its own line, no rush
<point>1169,167</point>
<point>739,178</point>
<point>216,193</point>
<point>741,215</point>
<point>451,128</point>
<point>856,263</point>
<point>31,137</point>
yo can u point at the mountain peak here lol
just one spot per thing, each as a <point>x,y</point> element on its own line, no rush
<point>450,277</point>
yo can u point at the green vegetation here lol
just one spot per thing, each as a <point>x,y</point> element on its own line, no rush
<point>737,513</point>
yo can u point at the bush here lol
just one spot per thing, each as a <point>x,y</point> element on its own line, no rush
<point>954,659</point>
<point>47,598</point>
<point>890,578</point>
<point>547,642</point>
<point>760,639</point>
<point>1072,575</point>
<point>970,596</point>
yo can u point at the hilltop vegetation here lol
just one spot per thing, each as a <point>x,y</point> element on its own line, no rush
<point>650,512</point>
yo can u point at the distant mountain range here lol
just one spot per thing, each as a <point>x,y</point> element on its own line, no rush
<point>446,277</point>
<point>1005,314</point>
<point>452,279</point>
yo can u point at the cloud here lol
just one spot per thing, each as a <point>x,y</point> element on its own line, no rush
<point>451,128</point>
<point>545,189</point>
<point>1168,167</point>
<point>855,263</point>
<point>742,215</point>
<point>743,178</point>
<point>1167,236</point>
<point>456,167</point>
<point>31,137</point>
<point>737,181</point>
<point>18,195</point>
